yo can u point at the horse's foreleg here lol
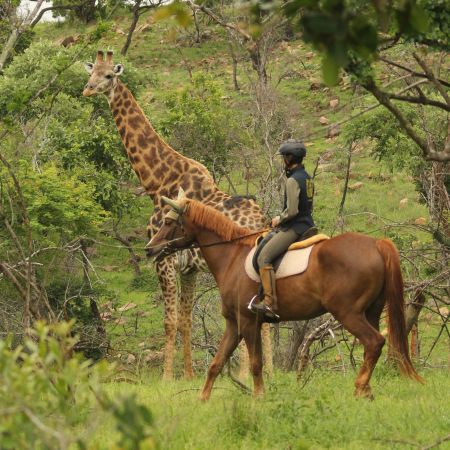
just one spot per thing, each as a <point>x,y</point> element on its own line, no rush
<point>252,336</point>
<point>227,345</point>
<point>373,343</point>
<point>185,320</point>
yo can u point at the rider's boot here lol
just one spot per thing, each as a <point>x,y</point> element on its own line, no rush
<point>268,306</point>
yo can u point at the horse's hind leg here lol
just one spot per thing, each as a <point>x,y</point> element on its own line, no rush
<point>252,336</point>
<point>227,345</point>
<point>374,311</point>
<point>373,343</point>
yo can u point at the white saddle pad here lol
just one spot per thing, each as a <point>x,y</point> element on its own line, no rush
<point>293,263</point>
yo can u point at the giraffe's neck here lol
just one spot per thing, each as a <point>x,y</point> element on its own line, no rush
<point>156,164</point>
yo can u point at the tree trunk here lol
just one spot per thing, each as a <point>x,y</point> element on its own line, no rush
<point>131,29</point>
<point>298,335</point>
<point>235,64</point>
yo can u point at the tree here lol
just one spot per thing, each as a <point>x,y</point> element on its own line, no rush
<point>139,7</point>
<point>199,125</point>
<point>352,35</point>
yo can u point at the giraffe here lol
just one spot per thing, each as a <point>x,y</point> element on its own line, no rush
<point>161,171</point>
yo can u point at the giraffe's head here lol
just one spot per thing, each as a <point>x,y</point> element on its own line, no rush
<point>103,75</point>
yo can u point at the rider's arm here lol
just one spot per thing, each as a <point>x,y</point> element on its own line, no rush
<point>292,196</point>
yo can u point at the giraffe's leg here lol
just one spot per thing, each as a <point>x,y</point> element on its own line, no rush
<point>185,319</point>
<point>244,362</point>
<point>227,345</point>
<point>167,280</point>
<point>267,349</point>
<point>252,336</point>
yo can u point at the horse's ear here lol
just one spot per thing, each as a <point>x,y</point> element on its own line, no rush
<point>173,204</point>
<point>181,194</point>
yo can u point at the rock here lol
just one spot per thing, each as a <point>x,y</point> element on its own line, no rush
<point>356,186</point>
<point>403,202</point>
<point>69,40</point>
<point>323,120</point>
<point>309,55</point>
<point>105,316</point>
<point>121,321</point>
<point>334,102</point>
<point>420,221</point>
<point>127,306</point>
<point>444,311</point>
<point>315,85</point>
<point>131,359</point>
<point>333,131</point>
<point>110,268</point>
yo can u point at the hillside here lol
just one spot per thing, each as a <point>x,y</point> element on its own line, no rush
<point>84,202</point>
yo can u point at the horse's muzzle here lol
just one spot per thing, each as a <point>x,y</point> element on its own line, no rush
<point>152,251</point>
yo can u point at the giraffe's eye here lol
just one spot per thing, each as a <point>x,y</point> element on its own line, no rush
<point>109,77</point>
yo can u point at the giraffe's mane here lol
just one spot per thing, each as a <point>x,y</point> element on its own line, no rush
<point>209,218</point>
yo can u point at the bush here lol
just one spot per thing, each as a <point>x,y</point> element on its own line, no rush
<point>46,391</point>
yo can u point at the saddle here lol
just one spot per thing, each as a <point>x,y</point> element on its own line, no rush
<point>293,262</point>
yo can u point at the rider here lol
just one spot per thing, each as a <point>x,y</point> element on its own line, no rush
<point>290,226</point>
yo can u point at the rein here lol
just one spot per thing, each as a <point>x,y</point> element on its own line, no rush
<point>197,245</point>
<point>169,249</point>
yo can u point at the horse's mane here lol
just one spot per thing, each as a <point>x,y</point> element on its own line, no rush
<point>213,220</point>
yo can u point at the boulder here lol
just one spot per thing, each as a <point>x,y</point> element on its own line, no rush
<point>356,186</point>
<point>334,102</point>
<point>421,221</point>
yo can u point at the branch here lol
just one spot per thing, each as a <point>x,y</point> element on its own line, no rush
<point>416,74</point>
<point>432,78</point>
<point>53,8</point>
<point>420,101</point>
<point>384,100</point>
<point>219,20</point>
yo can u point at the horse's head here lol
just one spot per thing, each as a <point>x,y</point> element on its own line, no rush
<point>172,235</point>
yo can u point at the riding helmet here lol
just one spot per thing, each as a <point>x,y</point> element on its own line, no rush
<point>292,147</point>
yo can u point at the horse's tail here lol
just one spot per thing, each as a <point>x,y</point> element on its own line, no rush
<point>393,290</point>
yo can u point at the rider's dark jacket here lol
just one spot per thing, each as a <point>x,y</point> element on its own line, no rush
<point>298,201</point>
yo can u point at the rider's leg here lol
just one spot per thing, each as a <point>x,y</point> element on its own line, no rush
<point>274,248</point>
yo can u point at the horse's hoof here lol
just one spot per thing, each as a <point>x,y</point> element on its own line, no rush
<point>365,392</point>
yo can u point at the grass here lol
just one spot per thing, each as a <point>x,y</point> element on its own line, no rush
<point>321,415</point>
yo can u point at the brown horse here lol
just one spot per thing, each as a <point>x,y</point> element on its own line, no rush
<point>351,276</point>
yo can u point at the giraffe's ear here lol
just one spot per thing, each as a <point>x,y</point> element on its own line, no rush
<point>118,69</point>
<point>89,67</point>
<point>181,194</point>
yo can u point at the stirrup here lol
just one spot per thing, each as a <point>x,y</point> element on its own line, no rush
<point>262,309</point>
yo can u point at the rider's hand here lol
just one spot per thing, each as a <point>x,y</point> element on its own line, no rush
<point>275,221</point>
